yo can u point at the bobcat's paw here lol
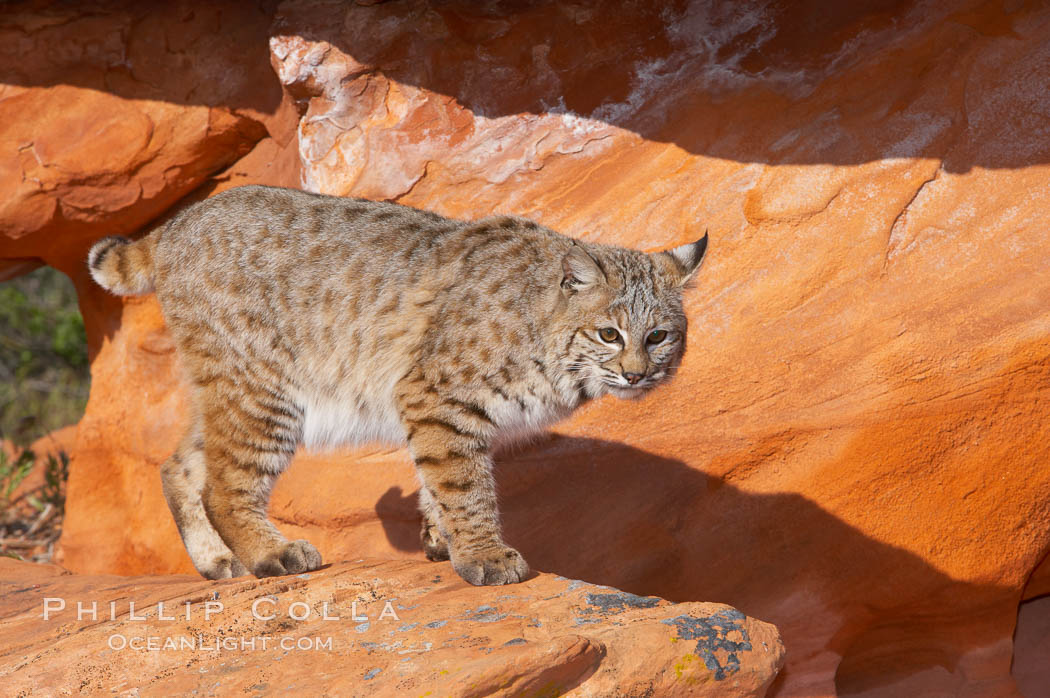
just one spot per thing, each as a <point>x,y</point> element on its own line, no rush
<point>223,567</point>
<point>434,545</point>
<point>291,558</point>
<point>500,565</point>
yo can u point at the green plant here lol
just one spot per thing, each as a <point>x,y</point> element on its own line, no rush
<point>53,491</point>
<point>12,472</point>
<point>44,375</point>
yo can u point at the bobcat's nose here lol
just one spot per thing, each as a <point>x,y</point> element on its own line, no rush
<point>633,378</point>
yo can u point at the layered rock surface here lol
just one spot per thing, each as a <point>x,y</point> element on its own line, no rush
<point>377,628</point>
<point>855,447</point>
<point>113,111</point>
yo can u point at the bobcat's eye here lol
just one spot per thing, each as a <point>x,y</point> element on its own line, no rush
<point>608,334</point>
<point>656,336</point>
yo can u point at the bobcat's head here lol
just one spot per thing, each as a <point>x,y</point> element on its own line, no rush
<point>628,329</point>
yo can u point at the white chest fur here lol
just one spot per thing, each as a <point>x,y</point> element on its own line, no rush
<point>521,421</point>
<point>331,423</point>
<point>349,421</point>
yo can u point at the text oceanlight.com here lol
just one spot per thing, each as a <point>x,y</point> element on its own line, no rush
<point>201,643</point>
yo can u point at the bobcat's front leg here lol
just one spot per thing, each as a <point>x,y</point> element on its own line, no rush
<point>462,488</point>
<point>449,440</point>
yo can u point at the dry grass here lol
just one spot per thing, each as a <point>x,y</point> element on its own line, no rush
<point>32,504</point>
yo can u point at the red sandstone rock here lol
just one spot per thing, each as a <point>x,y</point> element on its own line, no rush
<point>375,628</point>
<point>110,112</point>
<point>855,448</point>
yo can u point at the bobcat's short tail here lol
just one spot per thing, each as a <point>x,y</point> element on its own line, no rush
<point>122,266</point>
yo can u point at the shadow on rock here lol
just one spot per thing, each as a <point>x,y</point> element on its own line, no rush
<point>211,54</point>
<point>761,81</point>
<point>870,613</point>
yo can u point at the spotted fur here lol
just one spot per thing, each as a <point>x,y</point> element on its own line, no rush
<point>312,320</point>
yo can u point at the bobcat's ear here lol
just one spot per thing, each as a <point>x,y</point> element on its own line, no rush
<point>685,260</point>
<point>579,271</point>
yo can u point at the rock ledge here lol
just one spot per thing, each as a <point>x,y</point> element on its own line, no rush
<point>372,626</point>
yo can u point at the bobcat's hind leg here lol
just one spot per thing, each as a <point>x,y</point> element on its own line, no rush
<point>434,544</point>
<point>250,439</point>
<point>183,476</point>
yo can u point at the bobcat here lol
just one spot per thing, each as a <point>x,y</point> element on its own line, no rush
<point>320,320</point>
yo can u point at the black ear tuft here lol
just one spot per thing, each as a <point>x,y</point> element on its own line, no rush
<point>688,258</point>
